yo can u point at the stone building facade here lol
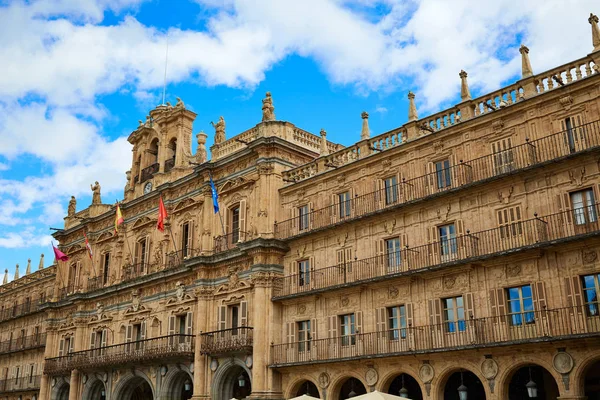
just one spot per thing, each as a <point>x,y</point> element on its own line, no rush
<point>457,253</point>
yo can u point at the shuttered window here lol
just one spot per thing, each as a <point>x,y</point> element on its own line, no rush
<point>509,222</point>
<point>348,329</point>
<point>503,156</point>
<point>235,224</point>
<point>345,207</point>
<point>442,174</point>
<point>303,272</point>
<point>396,322</point>
<point>393,254</point>
<point>391,190</point>
<point>584,206</point>
<point>520,305</point>
<point>454,314</point>
<point>303,328</point>
<point>186,239</point>
<point>591,288</point>
<point>447,235</point>
<point>303,217</point>
<point>105,267</point>
<point>575,133</point>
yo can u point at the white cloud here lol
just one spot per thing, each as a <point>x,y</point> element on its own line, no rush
<point>381,110</point>
<point>13,240</point>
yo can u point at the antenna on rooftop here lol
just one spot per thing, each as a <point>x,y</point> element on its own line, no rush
<point>165,79</point>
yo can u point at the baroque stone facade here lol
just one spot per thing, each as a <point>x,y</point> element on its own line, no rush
<point>457,252</point>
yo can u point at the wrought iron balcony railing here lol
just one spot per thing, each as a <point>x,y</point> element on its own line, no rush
<point>171,347</point>
<point>148,172</point>
<point>526,327</point>
<point>21,384</point>
<point>538,231</point>
<point>23,343</point>
<point>229,241</point>
<point>508,161</point>
<point>227,341</point>
<point>21,309</point>
<point>94,283</point>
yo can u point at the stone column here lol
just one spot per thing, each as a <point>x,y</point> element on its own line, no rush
<point>49,352</point>
<point>44,392</point>
<point>74,384</point>
<point>201,373</point>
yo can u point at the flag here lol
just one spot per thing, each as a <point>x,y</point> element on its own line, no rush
<point>118,218</point>
<point>87,245</point>
<point>215,195</point>
<point>162,215</point>
<point>59,254</point>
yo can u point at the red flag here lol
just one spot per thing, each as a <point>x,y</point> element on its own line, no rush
<point>59,254</point>
<point>87,245</point>
<point>162,215</point>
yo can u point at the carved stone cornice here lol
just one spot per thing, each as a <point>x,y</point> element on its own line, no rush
<point>264,279</point>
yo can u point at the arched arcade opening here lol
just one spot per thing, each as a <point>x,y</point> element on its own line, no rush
<point>532,381</point>
<point>404,385</point>
<point>463,385</point>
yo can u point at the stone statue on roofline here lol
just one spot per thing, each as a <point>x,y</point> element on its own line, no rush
<point>96,193</point>
<point>72,206</point>
<point>219,130</point>
<point>267,108</point>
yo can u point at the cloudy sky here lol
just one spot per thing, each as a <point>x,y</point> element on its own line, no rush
<point>77,75</point>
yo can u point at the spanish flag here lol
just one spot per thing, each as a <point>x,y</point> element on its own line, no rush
<point>162,215</point>
<point>118,218</point>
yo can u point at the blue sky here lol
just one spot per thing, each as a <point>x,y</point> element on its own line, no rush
<point>77,75</point>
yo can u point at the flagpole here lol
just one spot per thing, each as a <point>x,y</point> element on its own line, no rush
<point>219,211</point>
<point>125,239</point>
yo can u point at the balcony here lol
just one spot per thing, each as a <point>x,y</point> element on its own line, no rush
<point>94,283</point>
<point>23,343</point>
<point>169,164</point>
<point>148,172</point>
<point>21,384</point>
<point>229,241</point>
<point>528,327</point>
<point>160,349</point>
<point>471,247</point>
<point>510,161</point>
<point>20,309</point>
<point>226,341</point>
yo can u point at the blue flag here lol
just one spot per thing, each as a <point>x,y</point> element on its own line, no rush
<point>215,195</point>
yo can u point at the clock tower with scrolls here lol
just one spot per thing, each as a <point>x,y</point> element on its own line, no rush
<point>162,149</point>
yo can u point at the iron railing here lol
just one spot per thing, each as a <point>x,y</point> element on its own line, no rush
<point>148,172</point>
<point>21,309</point>
<point>21,384</point>
<point>227,341</point>
<point>169,164</point>
<point>532,152</point>
<point>66,291</point>
<point>130,353</point>
<point>526,327</point>
<point>537,231</point>
<point>23,343</point>
<point>94,283</point>
<point>229,241</point>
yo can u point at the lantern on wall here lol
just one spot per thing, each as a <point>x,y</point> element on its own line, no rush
<point>462,389</point>
<point>531,387</point>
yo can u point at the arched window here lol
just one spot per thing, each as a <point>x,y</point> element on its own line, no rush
<point>153,150</point>
<point>171,152</point>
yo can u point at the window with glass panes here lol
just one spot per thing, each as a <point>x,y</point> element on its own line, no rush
<point>344,204</point>
<point>591,288</point>
<point>503,155</point>
<point>391,190</point>
<point>447,239</point>
<point>185,239</point>
<point>397,322</point>
<point>105,267</point>
<point>303,217</point>
<point>235,224</point>
<point>392,254</point>
<point>303,272</point>
<point>584,208</point>
<point>442,174</point>
<point>303,335</point>
<point>454,314</point>
<point>347,329</point>
<point>520,305</point>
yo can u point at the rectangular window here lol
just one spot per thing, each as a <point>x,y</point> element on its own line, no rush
<point>397,322</point>
<point>454,314</point>
<point>520,305</point>
<point>393,255</point>
<point>303,272</point>
<point>448,247</point>
<point>141,255</point>
<point>235,224</point>
<point>344,204</point>
<point>303,336</point>
<point>509,222</point>
<point>584,207</point>
<point>575,134</point>
<point>591,288</point>
<point>234,313</point>
<point>17,373</point>
<point>105,267</point>
<point>185,239</point>
<point>303,215</point>
<point>442,174</point>
<point>137,332</point>
<point>347,329</point>
<point>31,367</point>
<point>68,345</point>
<point>503,156</point>
<point>391,190</point>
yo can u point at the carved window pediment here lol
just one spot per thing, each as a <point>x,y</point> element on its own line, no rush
<point>104,237</point>
<point>235,183</point>
<point>186,204</point>
<point>143,221</point>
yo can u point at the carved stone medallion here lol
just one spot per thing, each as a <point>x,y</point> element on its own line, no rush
<point>426,373</point>
<point>249,361</point>
<point>489,368</point>
<point>214,364</point>
<point>513,270</point>
<point>589,256</point>
<point>371,377</point>
<point>563,362</point>
<point>324,380</point>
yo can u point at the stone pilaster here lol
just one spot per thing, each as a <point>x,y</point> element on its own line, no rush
<point>201,373</point>
<point>74,384</point>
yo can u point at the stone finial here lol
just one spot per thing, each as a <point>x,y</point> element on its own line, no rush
<point>5,281</point>
<point>465,93</point>
<point>593,20</point>
<point>412,109</point>
<point>324,150</point>
<point>16,272</point>
<point>41,265</point>
<point>526,70</point>
<point>365,133</point>
<point>201,149</point>
<point>28,269</point>
<point>72,206</point>
<point>267,108</point>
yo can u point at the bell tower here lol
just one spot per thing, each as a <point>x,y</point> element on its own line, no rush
<point>162,149</point>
